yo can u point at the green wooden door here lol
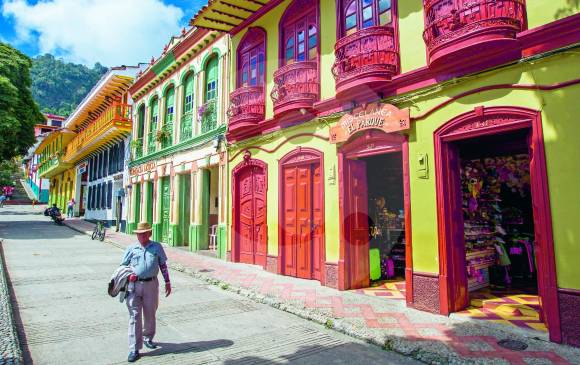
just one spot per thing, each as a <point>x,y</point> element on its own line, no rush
<point>137,204</point>
<point>165,203</point>
<point>184,207</point>
<point>149,204</point>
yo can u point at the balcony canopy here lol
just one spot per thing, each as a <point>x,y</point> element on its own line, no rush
<point>227,15</point>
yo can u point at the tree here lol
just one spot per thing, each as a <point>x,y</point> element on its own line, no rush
<point>18,111</point>
<point>58,87</point>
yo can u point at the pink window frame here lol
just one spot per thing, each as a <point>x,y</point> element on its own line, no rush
<point>292,15</point>
<point>254,39</point>
<point>341,16</point>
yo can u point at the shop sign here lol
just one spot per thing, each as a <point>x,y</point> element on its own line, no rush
<point>146,167</point>
<point>385,117</point>
<point>82,168</point>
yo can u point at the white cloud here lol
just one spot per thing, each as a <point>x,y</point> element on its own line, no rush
<point>113,32</point>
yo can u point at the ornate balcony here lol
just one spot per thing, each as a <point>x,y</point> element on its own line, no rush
<point>52,166</point>
<point>111,124</point>
<point>152,141</point>
<point>208,116</point>
<point>186,126</point>
<point>166,135</point>
<point>296,86</point>
<point>365,59</point>
<point>246,108</point>
<point>137,145</point>
<point>456,30</point>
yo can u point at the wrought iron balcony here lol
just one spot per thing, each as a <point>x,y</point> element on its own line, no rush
<point>137,145</point>
<point>246,108</point>
<point>367,58</point>
<point>208,116</point>
<point>166,135</point>
<point>454,28</point>
<point>186,126</point>
<point>112,123</point>
<point>296,86</point>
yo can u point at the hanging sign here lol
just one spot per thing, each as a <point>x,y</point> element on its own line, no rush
<point>385,117</point>
<point>82,168</point>
<point>146,167</point>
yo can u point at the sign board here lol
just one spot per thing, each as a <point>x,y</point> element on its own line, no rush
<point>146,167</point>
<point>385,117</point>
<point>82,168</point>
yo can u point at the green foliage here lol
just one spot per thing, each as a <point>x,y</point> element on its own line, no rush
<point>9,172</point>
<point>18,111</point>
<point>58,87</point>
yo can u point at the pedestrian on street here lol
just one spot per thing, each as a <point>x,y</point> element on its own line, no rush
<point>146,258</point>
<point>2,199</point>
<point>70,207</point>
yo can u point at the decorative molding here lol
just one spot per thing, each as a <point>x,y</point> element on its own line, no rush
<point>286,140</point>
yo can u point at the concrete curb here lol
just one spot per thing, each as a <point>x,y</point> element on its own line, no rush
<point>9,343</point>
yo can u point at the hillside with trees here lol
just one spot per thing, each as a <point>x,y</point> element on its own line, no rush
<point>58,87</point>
<point>18,111</point>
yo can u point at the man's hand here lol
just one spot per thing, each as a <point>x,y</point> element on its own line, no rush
<point>167,289</point>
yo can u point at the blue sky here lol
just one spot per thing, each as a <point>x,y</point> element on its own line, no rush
<point>112,32</point>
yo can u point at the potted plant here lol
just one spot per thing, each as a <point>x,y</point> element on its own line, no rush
<point>161,135</point>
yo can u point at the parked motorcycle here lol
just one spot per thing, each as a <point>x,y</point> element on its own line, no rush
<point>55,214</point>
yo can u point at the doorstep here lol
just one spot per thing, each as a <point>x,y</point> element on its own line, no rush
<point>385,322</point>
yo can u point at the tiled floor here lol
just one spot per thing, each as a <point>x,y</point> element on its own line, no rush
<point>511,308</point>
<point>392,289</point>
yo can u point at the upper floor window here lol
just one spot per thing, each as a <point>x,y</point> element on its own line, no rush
<point>188,96</point>
<point>360,14</point>
<point>169,104</point>
<point>141,121</point>
<point>154,107</point>
<point>299,32</point>
<point>251,59</point>
<point>211,75</point>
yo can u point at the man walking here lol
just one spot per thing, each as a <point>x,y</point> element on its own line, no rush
<point>146,258</point>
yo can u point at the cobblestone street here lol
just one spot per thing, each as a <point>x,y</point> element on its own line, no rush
<point>64,315</point>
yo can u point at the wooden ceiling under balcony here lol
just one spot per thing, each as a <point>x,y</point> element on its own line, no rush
<point>226,15</point>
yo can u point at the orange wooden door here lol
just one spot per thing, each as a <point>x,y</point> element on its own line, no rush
<point>304,222</point>
<point>317,222</point>
<point>358,259</point>
<point>290,221</point>
<point>252,216</point>
<point>259,225</point>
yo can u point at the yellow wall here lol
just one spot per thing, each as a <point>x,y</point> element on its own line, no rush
<point>542,12</point>
<point>560,134</point>
<point>412,47</point>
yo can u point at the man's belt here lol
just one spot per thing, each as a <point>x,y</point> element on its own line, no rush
<point>144,279</point>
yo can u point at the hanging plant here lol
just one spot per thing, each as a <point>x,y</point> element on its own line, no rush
<point>136,143</point>
<point>162,135</point>
<point>206,109</point>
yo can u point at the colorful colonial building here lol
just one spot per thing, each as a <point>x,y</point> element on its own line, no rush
<point>178,172</point>
<point>86,159</point>
<point>418,141</point>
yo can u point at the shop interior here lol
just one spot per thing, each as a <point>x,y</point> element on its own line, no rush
<point>499,230</point>
<point>386,225</point>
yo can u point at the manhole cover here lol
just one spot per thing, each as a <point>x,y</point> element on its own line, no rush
<point>514,345</point>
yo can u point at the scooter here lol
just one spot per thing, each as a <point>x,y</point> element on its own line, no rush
<point>55,215</point>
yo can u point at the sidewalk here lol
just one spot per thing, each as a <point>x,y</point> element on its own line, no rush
<point>385,322</point>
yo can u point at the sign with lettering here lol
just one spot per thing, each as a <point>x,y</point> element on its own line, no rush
<point>81,168</point>
<point>146,167</point>
<point>385,117</point>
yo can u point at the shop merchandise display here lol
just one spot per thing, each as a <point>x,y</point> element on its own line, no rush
<point>498,224</point>
<point>387,232</point>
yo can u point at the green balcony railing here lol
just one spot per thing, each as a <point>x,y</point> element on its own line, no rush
<point>186,126</point>
<point>151,142</point>
<point>167,135</point>
<point>138,147</point>
<point>208,116</point>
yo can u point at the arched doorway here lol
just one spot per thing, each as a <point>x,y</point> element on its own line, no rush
<point>516,129</point>
<point>249,231</point>
<point>301,234</point>
<point>365,202</point>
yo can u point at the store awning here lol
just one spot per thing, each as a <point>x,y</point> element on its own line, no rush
<point>225,15</point>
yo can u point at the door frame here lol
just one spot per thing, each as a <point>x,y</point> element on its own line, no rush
<point>298,157</point>
<point>248,162</point>
<point>366,144</point>
<point>485,122</point>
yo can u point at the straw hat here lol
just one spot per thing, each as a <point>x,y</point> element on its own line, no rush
<point>142,227</point>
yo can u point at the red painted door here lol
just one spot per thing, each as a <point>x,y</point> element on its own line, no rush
<point>252,216</point>
<point>358,225</point>
<point>303,222</point>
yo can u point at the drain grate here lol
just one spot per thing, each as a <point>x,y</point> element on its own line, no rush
<point>513,345</point>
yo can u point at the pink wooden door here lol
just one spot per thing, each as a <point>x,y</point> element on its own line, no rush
<point>304,222</point>
<point>290,222</point>
<point>317,223</point>
<point>358,257</point>
<point>252,216</point>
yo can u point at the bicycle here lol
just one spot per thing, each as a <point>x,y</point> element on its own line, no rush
<point>99,231</point>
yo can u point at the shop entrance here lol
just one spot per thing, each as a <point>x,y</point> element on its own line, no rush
<point>375,250</point>
<point>301,205</point>
<point>491,171</point>
<point>249,236</point>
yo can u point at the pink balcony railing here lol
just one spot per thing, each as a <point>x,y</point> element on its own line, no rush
<point>246,107</point>
<point>365,57</point>
<point>296,86</point>
<point>452,25</point>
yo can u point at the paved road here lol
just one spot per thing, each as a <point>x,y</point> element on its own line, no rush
<point>59,280</point>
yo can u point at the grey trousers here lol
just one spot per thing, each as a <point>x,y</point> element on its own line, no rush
<point>142,302</point>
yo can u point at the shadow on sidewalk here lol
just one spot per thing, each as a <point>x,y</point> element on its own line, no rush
<point>37,230</point>
<point>186,347</point>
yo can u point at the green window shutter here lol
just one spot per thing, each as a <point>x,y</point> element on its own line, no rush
<point>188,97</point>
<point>154,114</point>
<point>169,107</point>
<point>211,74</point>
<point>140,121</point>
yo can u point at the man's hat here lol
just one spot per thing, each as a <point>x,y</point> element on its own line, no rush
<point>142,227</point>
